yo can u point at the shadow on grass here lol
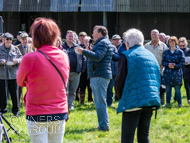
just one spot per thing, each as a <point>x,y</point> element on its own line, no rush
<point>174,104</point>
<point>85,106</point>
<point>81,131</point>
<point>88,106</point>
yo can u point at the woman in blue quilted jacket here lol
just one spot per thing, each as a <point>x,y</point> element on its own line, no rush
<point>173,61</point>
<point>137,86</point>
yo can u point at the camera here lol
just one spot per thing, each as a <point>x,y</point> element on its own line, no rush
<point>90,41</point>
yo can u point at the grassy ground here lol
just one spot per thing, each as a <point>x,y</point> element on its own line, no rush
<point>171,126</point>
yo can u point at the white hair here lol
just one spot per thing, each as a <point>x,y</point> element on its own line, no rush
<point>133,37</point>
<point>155,30</point>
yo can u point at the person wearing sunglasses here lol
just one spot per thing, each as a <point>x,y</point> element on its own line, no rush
<point>10,58</point>
<point>186,69</point>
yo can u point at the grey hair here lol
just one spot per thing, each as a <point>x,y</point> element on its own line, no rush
<point>133,37</point>
<point>163,34</point>
<point>155,30</point>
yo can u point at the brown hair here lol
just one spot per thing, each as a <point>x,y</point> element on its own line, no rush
<point>173,38</point>
<point>44,31</point>
<point>101,29</point>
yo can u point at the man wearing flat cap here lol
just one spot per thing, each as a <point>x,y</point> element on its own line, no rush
<point>24,47</point>
<point>10,58</point>
<point>18,39</point>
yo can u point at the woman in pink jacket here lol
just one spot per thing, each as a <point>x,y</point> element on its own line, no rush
<point>46,99</point>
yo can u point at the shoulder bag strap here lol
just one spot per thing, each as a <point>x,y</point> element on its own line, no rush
<point>61,78</point>
<point>55,68</point>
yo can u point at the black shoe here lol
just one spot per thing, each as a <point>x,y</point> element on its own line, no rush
<point>3,111</point>
<point>16,114</point>
<point>111,106</point>
<point>98,128</point>
<point>2,114</point>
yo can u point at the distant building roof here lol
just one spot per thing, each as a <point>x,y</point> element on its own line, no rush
<point>95,5</point>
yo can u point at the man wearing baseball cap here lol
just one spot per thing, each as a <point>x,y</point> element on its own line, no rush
<point>116,40</point>
<point>82,35</point>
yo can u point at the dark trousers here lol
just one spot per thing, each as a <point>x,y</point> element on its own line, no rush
<point>187,88</point>
<point>84,82</point>
<point>139,119</point>
<point>110,91</point>
<point>12,88</point>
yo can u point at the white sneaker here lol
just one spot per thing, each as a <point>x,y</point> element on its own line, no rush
<point>189,102</point>
<point>72,108</point>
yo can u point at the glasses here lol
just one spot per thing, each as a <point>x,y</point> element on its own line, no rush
<point>9,39</point>
<point>181,45</point>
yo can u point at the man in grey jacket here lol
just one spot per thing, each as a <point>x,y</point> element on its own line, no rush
<point>10,58</point>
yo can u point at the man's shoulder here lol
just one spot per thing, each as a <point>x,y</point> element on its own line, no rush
<point>105,42</point>
<point>162,43</point>
<point>1,46</point>
<point>64,45</point>
<point>13,46</point>
<point>76,45</point>
<point>148,43</point>
<point>19,45</point>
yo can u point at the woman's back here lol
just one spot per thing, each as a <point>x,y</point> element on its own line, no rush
<point>45,88</point>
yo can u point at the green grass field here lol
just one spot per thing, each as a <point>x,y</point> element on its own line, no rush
<point>171,126</point>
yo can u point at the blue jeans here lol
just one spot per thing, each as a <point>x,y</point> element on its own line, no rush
<point>187,88</point>
<point>99,89</point>
<point>139,119</point>
<point>177,93</point>
<point>110,91</point>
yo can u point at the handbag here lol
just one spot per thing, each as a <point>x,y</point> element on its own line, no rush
<point>60,75</point>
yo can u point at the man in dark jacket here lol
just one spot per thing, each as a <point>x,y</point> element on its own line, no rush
<point>77,65</point>
<point>116,41</point>
<point>99,72</point>
<point>186,69</point>
<point>80,94</point>
<point>17,42</point>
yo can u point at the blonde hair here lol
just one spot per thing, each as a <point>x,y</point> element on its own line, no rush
<point>87,38</point>
<point>60,41</point>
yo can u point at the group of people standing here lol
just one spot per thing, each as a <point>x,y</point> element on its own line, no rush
<point>173,56</point>
<point>56,72</point>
